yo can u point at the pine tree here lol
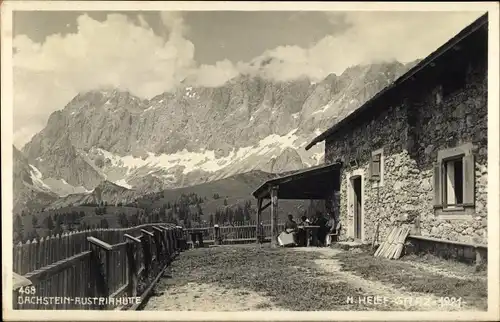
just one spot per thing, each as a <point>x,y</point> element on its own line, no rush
<point>18,229</point>
<point>50,223</point>
<point>247,211</point>
<point>199,212</point>
<point>122,220</point>
<point>104,223</point>
<point>34,221</point>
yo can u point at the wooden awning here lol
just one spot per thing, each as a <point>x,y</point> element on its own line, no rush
<point>311,183</point>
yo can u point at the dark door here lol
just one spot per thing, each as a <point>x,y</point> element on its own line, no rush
<point>356,185</point>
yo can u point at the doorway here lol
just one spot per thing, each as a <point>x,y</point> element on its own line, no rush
<point>357,205</point>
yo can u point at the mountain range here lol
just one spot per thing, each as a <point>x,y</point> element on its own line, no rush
<point>110,145</point>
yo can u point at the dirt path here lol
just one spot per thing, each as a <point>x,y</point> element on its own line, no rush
<point>198,285</point>
<point>387,295</point>
<point>208,297</point>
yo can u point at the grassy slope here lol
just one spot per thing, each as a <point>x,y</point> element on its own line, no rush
<point>467,284</point>
<point>292,280</point>
<point>236,189</point>
<point>289,278</point>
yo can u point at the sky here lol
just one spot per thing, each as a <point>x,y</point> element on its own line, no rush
<point>57,54</point>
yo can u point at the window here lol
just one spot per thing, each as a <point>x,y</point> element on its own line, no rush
<point>454,179</point>
<point>453,187</point>
<point>377,166</point>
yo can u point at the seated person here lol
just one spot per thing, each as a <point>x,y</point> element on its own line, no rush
<point>333,227</point>
<point>290,228</point>
<point>304,221</point>
<point>290,225</point>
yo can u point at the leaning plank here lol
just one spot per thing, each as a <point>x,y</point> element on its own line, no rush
<point>390,243</point>
<point>399,241</point>
<point>401,244</point>
<point>384,244</point>
<point>395,242</point>
<point>387,242</point>
<point>389,249</point>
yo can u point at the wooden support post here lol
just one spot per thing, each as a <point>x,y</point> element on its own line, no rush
<point>163,241</point>
<point>131,247</point>
<point>149,237</point>
<point>158,243</point>
<point>100,275</point>
<point>259,214</point>
<point>171,242</point>
<point>217,239</point>
<point>147,258</point>
<point>274,216</point>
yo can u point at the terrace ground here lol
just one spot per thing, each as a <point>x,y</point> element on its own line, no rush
<point>246,277</point>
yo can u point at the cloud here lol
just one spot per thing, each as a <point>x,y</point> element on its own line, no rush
<point>214,75</point>
<point>371,37</point>
<point>129,55</point>
<point>115,52</point>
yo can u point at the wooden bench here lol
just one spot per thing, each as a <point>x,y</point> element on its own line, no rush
<point>333,236</point>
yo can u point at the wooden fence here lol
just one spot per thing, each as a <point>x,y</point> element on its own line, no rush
<point>101,269</point>
<point>235,233</point>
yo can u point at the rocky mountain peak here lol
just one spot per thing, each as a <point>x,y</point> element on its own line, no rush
<point>197,134</point>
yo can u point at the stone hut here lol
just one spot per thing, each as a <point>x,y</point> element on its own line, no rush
<point>416,153</point>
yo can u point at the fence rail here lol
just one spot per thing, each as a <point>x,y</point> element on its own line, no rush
<point>236,233</point>
<point>71,270</point>
<point>112,265</point>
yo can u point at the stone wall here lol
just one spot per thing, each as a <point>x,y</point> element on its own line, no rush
<point>411,133</point>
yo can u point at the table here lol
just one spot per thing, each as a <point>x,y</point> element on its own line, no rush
<point>311,230</point>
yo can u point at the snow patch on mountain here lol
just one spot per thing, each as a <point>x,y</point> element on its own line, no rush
<point>123,183</point>
<point>37,179</point>
<point>322,109</point>
<point>54,185</point>
<point>205,160</point>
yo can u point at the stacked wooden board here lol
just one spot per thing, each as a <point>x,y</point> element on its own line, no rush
<point>392,247</point>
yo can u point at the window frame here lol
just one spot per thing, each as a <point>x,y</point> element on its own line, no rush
<point>467,208</point>
<point>444,197</point>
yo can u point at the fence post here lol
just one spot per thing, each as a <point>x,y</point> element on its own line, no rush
<point>173,242</point>
<point>146,249</point>
<point>158,242</point>
<point>100,278</point>
<point>132,268</point>
<point>181,239</point>
<point>167,238</point>
<point>217,239</point>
